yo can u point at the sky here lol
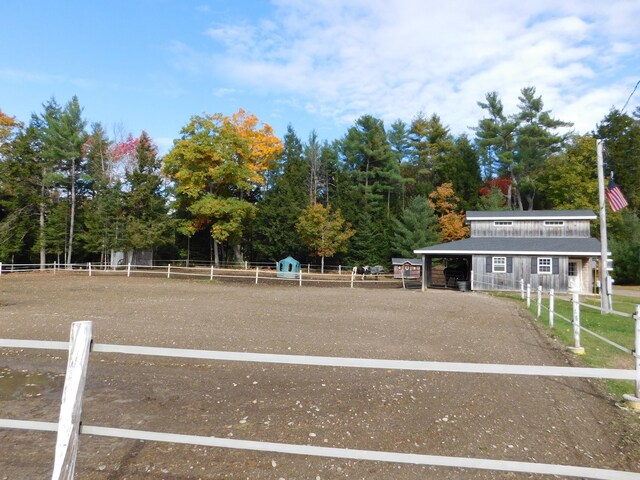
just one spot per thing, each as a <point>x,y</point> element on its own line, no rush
<point>317,65</point>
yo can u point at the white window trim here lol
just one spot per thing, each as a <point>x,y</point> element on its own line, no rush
<point>502,267</point>
<point>542,266</point>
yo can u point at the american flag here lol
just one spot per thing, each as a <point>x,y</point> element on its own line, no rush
<point>615,197</point>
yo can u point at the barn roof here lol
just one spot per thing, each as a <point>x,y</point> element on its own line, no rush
<point>531,215</point>
<point>586,247</point>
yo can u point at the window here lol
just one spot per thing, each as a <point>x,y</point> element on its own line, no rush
<point>572,269</point>
<point>553,223</point>
<point>502,223</point>
<point>544,265</point>
<point>499,264</point>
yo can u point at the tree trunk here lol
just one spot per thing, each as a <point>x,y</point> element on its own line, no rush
<point>73,210</point>
<point>237,251</point>
<point>216,254</point>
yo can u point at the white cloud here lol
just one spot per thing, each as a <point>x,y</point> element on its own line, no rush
<point>394,59</point>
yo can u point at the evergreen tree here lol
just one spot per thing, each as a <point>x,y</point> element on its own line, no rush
<point>416,228</point>
<point>274,233</point>
<point>520,144</point>
<point>63,140</point>
<point>145,205</point>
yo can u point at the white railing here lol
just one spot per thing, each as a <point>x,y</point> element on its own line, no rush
<point>252,274</point>
<point>69,427</point>
<point>306,267</point>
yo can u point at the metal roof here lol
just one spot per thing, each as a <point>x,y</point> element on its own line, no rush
<point>581,246</point>
<point>531,215</point>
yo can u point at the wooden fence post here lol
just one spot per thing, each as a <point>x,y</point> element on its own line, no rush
<point>522,288</point>
<point>634,401</point>
<point>528,295</point>
<point>211,275</point>
<point>169,271</point>
<point>339,269</point>
<point>539,301</point>
<point>129,269</point>
<point>551,307</point>
<point>55,264</point>
<point>89,267</point>
<point>257,268</point>
<point>353,274</point>
<point>71,407</point>
<point>471,281</point>
<point>577,349</point>
<point>0,269</point>
<point>300,284</point>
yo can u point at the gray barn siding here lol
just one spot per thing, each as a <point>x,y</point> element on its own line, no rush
<point>531,228</point>
<point>521,269</point>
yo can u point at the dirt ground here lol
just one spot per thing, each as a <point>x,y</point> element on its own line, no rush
<point>546,420</point>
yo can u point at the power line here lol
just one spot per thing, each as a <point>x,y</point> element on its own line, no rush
<point>627,102</point>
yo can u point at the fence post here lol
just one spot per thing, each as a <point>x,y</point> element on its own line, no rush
<point>211,275</point>
<point>54,266</point>
<point>551,307</point>
<point>300,283</point>
<point>89,267</point>
<point>68,437</point>
<point>257,268</point>
<point>129,269</point>
<point>339,269</point>
<point>522,288</point>
<point>353,274</point>
<point>577,349</point>
<point>169,271</point>
<point>528,295</point>
<point>246,265</point>
<point>0,269</point>
<point>634,401</point>
<point>308,268</point>
<point>471,281</point>
<point>539,301</point>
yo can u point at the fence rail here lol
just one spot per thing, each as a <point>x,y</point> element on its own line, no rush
<point>255,275</point>
<point>66,449</point>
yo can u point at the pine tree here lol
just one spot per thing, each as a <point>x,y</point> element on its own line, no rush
<point>417,227</point>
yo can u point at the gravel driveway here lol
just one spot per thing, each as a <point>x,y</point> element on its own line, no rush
<point>546,420</point>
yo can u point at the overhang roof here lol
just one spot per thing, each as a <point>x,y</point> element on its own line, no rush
<point>580,247</point>
<point>531,215</point>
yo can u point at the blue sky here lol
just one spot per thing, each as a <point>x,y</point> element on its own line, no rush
<point>151,64</point>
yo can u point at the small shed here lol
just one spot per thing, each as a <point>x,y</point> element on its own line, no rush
<point>408,268</point>
<point>288,268</point>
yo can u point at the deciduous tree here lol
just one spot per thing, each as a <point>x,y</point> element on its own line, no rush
<point>324,231</point>
<point>216,164</point>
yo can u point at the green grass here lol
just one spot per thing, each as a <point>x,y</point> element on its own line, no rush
<point>598,354</point>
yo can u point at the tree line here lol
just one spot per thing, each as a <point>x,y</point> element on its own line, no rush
<point>229,190</point>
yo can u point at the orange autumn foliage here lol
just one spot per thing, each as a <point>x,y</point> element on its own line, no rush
<point>451,219</point>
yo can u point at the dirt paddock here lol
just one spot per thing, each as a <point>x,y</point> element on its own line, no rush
<point>545,420</point>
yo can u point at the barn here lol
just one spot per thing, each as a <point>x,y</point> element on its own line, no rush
<point>548,248</point>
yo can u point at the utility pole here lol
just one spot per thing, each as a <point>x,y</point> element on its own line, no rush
<point>605,305</point>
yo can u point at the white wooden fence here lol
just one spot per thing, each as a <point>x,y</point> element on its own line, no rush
<point>69,428</point>
<point>251,274</point>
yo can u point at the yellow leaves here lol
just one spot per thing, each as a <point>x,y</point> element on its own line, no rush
<point>227,152</point>
<point>451,221</point>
